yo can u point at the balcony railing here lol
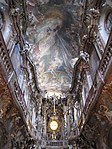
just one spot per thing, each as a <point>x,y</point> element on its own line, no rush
<point>12,81</point>
<point>4,58</point>
<point>99,80</point>
<point>11,75</point>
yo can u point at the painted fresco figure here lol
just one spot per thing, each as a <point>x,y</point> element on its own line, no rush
<point>50,53</point>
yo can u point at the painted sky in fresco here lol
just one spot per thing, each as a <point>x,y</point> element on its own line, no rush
<point>51,56</point>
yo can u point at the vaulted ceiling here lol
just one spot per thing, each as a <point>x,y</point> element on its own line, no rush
<point>54,35</point>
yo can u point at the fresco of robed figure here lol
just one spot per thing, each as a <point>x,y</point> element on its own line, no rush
<point>50,53</point>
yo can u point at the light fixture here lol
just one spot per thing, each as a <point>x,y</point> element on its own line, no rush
<point>54,125</point>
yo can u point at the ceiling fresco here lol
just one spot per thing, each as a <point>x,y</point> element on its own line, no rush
<point>51,51</point>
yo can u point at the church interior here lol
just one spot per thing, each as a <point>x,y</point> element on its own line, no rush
<point>55,74</point>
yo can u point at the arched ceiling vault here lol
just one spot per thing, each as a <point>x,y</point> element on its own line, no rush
<point>54,35</point>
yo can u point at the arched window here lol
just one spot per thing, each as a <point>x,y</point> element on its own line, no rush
<point>105,24</point>
<point>108,22</point>
<point>1,20</point>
